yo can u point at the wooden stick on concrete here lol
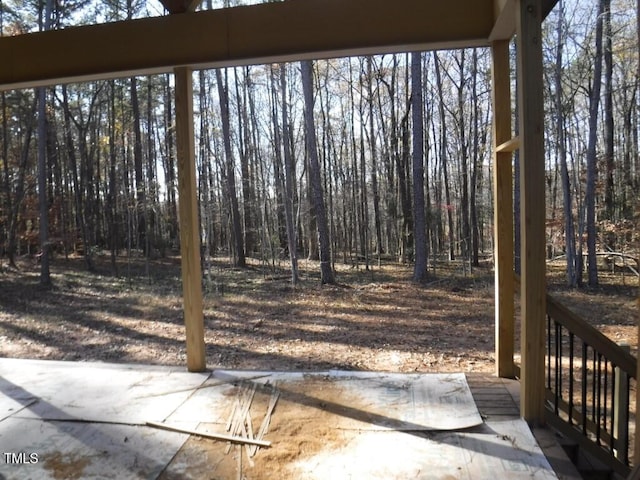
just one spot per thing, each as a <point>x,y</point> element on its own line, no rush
<point>215,436</point>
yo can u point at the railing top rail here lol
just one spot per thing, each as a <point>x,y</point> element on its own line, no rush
<point>589,334</point>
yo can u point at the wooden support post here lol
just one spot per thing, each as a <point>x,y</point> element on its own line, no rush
<point>532,210</point>
<point>189,231</point>
<point>503,212</point>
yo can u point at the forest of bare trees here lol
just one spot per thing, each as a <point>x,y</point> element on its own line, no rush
<point>346,160</point>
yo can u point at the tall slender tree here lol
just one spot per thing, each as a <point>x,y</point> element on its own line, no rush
<point>239,258</point>
<point>285,182</point>
<point>375,191</point>
<point>444,158</point>
<point>609,186</point>
<point>45,275</point>
<point>324,242</point>
<point>463,152</point>
<point>592,167</point>
<point>477,141</point>
<point>420,237</point>
<point>569,230</point>
<point>141,190</point>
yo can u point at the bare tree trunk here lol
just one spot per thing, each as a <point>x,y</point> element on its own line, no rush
<point>400,153</point>
<point>358,190</point>
<point>223,94</point>
<point>203,160</point>
<point>256,159</point>
<point>45,275</point>
<point>286,181</point>
<point>475,154</point>
<point>137,162</point>
<point>364,198</point>
<point>437,220</point>
<point>151,219</point>
<point>402,162</point>
<point>609,193</point>
<point>170,160</point>
<point>7,203</point>
<point>112,208</point>
<point>324,242</point>
<point>392,162</point>
<point>80,209</point>
<point>388,138</point>
<point>12,241</point>
<point>374,161</point>
<point>569,230</point>
<point>592,172</point>
<point>280,139</point>
<point>43,201</point>
<point>628,190</point>
<point>332,165</point>
<point>444,159</point>
<point>246,149</point>
<point>420,228</point>
<point>464,161</point>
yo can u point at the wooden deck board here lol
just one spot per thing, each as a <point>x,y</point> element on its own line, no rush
<point>493,396</point>
<point>498,399</point>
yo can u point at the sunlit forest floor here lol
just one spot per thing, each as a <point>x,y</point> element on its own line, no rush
<point>254,319</point>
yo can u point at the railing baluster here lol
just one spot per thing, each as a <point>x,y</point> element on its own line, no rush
<point>598,397</point>
<point>584,389</point>
<point>605,396</point>
<point>625,422</point>
<point>571,347</point>
<point>558,372</point>
<point>594,368</point>
<point>548,352</point>
<point>615,413</point>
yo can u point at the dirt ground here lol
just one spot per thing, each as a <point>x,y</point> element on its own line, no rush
<point>376,320</point>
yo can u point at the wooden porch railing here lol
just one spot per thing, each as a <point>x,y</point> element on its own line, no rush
<point>589,380</point>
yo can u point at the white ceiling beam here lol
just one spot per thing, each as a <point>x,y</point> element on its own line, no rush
<point>265,33</point>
